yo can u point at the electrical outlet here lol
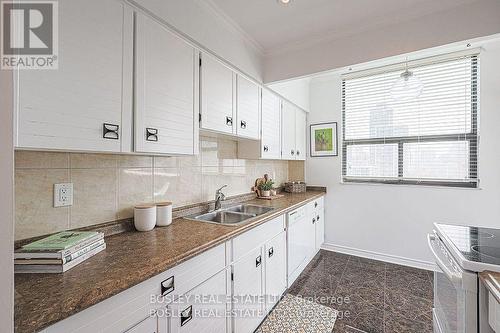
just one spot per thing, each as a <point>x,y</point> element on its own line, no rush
<point>63,194</point>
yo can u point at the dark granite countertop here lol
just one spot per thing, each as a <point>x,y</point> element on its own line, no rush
<point>492,281</point>
<point>130,258</point>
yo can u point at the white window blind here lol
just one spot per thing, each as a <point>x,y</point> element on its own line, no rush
<point>430,139</point>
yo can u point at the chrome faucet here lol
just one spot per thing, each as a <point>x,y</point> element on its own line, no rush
<point>219,196</point>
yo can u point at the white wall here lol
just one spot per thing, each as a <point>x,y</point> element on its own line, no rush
<point>203,23</point>
<point>394,220</point>
<point>6,204</point>
<point>297,91</point>
<point>480,18</point>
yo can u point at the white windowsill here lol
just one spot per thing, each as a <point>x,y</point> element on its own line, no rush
<point>413,186</point>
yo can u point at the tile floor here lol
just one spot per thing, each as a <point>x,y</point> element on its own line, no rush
<point>371,296</point>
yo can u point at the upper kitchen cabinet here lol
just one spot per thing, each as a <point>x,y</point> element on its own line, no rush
<point>217,92</point>
<point>271,125</point>
<point>269,146</point>
<point>166,91</point>
<point>80,105</point>
<point>293,131</point>
<point>247,108</point>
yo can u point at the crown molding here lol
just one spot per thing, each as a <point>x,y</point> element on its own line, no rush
<point>235,27</point>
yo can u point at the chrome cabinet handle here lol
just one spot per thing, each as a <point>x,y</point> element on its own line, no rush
<point>167,286</point>
<point>298,153</point>
<point>152,134</point>
<point>243,124</point>
<point>270,252</point>
<point>229,121</point>
<point>110,131</point>
<point>317,218</point>
<point>186,315</point>
<point>258,261</point>
<point>266,148</point>
<point>315,204</point>
<point>293,152</point>
<point>314,220</point>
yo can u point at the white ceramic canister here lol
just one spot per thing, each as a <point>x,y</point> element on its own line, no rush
<point>145,217</point>
<point>163,214</point>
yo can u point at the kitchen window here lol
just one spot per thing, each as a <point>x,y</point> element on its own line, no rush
<point>417,128</point>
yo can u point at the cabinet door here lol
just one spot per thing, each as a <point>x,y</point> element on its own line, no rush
<point>247,109</point>
<point>216,96</point>
<point>202,309</point>
<point>165,91</point>
<point>320,228</point>
<point>271,125</point>
<point>67,108</point>
<point>275,252</point>
<point>288,131</point>
<point>248,308</point>
<point>300,134</point>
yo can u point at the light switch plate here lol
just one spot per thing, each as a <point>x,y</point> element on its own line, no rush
<point>63,194</point>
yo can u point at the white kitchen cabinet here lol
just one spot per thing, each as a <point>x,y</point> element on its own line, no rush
<point>275,286</point>
<point>166,91</point>
<point>247,109</point>
<point>288,129</point>
<point>293,131</point>
<point>269,146</point>
<point>300,134</point>
<point>248,291</point>
<point>80,105</point>
<point>217,96</point>
<point>271,125</point>
<point>202,309</point>
<point>316,214</point>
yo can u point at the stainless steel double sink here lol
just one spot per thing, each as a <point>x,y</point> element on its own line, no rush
<point>233,215</point>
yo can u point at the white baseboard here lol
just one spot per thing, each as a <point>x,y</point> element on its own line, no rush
<point>430,266</point>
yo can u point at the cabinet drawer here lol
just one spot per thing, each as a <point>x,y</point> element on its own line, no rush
<point>257,236</point>
<point>202,309</point>
<point>186,276</point>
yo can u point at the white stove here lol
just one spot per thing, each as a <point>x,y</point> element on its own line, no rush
<point>460,304</point>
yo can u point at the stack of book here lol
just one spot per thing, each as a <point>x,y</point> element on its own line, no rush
<point>58,253</point>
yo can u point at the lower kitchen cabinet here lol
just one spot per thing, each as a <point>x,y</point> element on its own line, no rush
<point>244,277</point>
<point>248,290</point>
<point>316,212</point>
<point>275,286</point>
<point>202,309</point>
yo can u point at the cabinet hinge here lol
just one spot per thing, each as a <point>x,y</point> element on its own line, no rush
<point>232,276</point>
<point>199,117</point>
<point>200,62</point>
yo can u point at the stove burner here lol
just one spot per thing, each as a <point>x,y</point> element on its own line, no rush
<point>490,251</point>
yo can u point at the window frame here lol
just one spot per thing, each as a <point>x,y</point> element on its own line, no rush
<point>472,138</point>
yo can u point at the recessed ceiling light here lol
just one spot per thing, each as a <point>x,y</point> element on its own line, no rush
<point>284,2</point>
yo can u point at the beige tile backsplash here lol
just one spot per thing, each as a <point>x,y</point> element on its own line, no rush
<point>106,187</point>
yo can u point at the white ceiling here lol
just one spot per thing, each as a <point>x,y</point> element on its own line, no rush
<point>273,26</point>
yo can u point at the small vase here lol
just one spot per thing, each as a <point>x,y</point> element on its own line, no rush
<point>265,193</point>
<point>273,192</point>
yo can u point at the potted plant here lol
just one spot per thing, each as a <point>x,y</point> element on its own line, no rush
<point>266,187</point>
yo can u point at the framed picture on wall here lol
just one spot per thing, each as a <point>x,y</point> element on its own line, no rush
<point>324,140</point>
